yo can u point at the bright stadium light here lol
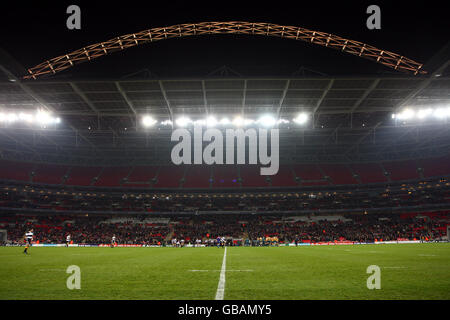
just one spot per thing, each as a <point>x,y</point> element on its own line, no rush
<point>183,121</point>
<point>423,113</point>
<point>302,118</point>
<point>224,121</point>
<point>405,114</point>
<point>441,113</point>
<point>148,121</point>
<point>211,121</point>
<point>166,123</point>
<point>44,118</point>
<point>11,117</point>
<point>238,121</point>
<point>283,121</point>
<point>26,117</point>
<point>200,122</point>
<point>248,122</point>
<point>267,121</point>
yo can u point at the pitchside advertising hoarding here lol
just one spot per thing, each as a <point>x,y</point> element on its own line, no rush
<point>224,147</point>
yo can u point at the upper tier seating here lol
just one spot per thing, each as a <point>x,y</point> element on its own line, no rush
<point>169,177</point>
<point>369,172</point>
<point>284,178</point>
<point>402,170</point>
<point>251,176</point>
<point>82,176</point>
<point>435,167</point>
<point>223,176</point>
<point>339,173</point>
<point>112,176</point>
<point>11,170</point>
<point>141,176</point>
<point>49,173</point>
<point>197,176</point>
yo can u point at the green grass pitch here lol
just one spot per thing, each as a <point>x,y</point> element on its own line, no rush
<point>408,271</point>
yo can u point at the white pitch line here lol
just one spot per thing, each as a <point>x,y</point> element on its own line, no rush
<point>249,270</point>
<point>221,287</point>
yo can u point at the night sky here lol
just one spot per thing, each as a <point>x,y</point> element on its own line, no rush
<point>33,31</point>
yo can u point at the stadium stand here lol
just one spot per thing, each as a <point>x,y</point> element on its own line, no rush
<point>339,173</point>
<point>225,177</point>
<point>435,167</point>
<point>112,176</point>
<point>251,176</point>
<point>49,173</point>
<point>82,176</point>
<point>369,172</point>
<point>141,176</point>
<point>308,172</point>
<point>284,178</point>
<point>169,177</point>
<point>402,170</point>
<point>141,229</point>
<point>197,177</point>
<point>12,170</point>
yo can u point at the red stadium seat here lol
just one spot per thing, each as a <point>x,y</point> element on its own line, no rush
<point>339,173</point>
<point>225,176</point>
<point>284,178</point>
<point>112,176</point>
<point>369,172</point>
<point>82,176</point>
<point>197,176</point>
<point>402,170</point>
<point>50,173</point>
<point>169,177</point>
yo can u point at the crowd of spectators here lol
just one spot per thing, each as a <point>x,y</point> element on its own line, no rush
<point>140,229</point>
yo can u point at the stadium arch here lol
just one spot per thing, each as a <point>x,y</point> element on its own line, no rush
<point>88,53</point>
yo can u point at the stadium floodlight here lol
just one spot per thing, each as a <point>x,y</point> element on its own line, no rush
<point>302,118</point>
<point>26,117</point>
<point>183,121</point>
<point>148,121</point>
<point>441,113</point>
<point>423,113</point>
<point>405,114</point>
<point>224,121</point>
<point>200,122</point>
<point>282,121</point>
<point>238,121</point>
<point>11,117</point>
<point>267,121</point>
<point>166,123</point>
<point>44,118</point>
<point>248,122</point>
<point>211,121</point>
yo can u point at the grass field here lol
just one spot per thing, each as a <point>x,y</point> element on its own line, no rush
<point>408,271</point>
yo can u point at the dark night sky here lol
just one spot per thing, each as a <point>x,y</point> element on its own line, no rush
<point>33,31</point>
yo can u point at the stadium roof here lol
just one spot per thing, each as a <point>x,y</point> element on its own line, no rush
<point>102,118</point>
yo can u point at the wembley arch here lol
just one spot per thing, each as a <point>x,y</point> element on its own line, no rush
<point>91,52</point>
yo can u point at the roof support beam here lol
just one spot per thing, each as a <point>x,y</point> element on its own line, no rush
<point>169,108</point>
<point>128,102</point>
<point>422,86</point>
<point>283,96</point>
<point>205,102</point>
<point>325,92</point>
